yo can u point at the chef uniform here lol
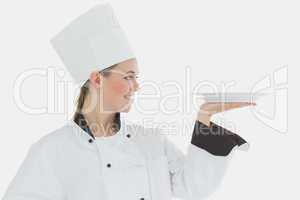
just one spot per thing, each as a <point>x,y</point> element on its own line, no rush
<point>137,163</point>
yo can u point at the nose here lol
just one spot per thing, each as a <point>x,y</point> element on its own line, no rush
<point>136,86</point>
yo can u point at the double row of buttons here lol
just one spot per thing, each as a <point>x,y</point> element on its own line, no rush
<point>108,165</point>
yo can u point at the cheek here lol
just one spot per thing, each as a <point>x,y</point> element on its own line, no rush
<point>120,88</point>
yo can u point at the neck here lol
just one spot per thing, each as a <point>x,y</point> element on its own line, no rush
<point>101,124</point>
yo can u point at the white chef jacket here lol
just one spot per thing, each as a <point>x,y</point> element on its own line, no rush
<point>137,163</point>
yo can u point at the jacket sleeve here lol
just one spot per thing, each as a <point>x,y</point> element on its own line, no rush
<point>198,174</point>
<point>35,179</point>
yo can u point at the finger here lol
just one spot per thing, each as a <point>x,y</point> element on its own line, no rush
<point>240,105</point>
<point>248,104</point>
<point>222,106</point>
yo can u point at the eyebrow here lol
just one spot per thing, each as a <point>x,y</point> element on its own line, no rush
<point>130,72</point>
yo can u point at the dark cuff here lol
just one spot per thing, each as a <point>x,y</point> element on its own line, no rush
<point>215,139</point>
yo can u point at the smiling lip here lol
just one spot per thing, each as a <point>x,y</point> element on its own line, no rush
<point>129,97</point>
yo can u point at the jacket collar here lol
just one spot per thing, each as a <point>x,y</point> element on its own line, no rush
<point>82,123</point>
<point>126,128</point>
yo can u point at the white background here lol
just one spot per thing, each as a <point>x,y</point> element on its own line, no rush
<point>219,41</point>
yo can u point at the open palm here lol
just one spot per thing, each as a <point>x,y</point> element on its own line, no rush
<point>210,108</point>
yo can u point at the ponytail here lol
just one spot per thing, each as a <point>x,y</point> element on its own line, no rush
<point>84,90</point>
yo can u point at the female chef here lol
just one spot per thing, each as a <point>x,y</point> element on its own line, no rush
<point>98,155</point>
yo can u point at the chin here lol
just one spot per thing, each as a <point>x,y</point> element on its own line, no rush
<point>126,108</point>
<point>125,111</point>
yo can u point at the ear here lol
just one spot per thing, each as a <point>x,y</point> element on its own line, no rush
<point>95,79</point>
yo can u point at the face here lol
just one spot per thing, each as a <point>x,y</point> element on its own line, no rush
<point>117,90</point>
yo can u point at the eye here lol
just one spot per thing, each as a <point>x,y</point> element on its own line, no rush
<point>130,77</point>
<point>127,77</point>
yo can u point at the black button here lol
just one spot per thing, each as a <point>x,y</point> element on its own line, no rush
<point>128,135</point>
<point>142,198</point>
<point>90,140</point>
<point>108,165</point>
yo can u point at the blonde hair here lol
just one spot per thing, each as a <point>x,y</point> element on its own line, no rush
<point>84,91</point>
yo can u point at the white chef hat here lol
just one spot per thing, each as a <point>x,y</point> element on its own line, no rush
<point>93,41</point>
